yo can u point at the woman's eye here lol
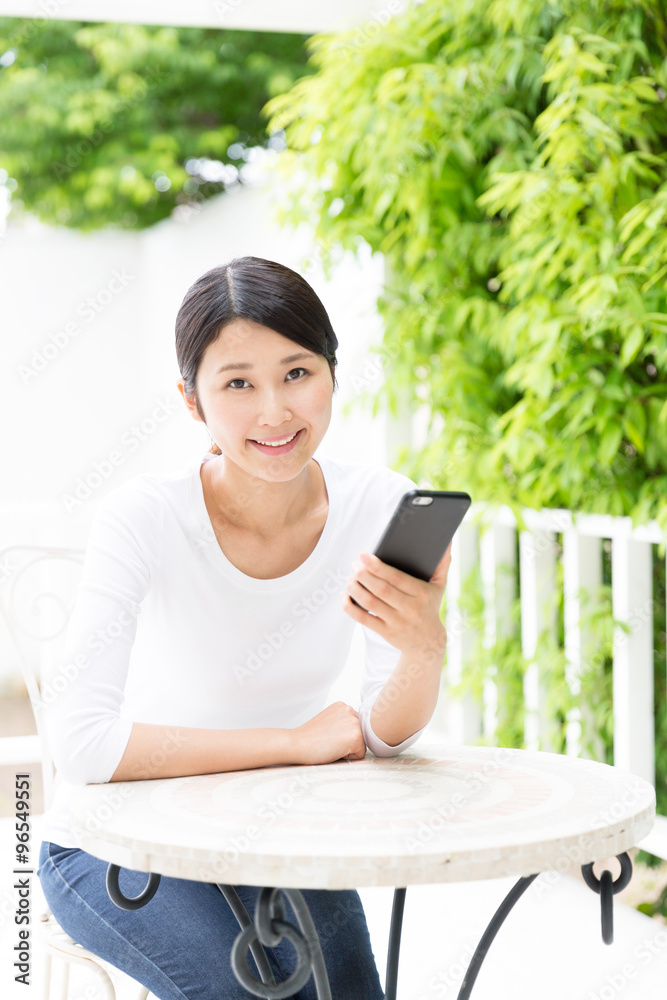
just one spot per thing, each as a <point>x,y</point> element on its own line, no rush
<point>293,376</point>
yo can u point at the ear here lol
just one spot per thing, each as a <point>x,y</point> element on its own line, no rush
<point>189,400</point>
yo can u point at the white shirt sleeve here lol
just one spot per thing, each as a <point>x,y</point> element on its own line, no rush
<point>83,698</point>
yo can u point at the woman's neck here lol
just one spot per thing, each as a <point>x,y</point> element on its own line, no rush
<point>260,508</point>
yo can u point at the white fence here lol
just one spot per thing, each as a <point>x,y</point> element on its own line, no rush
<point>527,567</point>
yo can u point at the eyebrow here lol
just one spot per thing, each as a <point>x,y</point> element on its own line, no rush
<point>285,361</point>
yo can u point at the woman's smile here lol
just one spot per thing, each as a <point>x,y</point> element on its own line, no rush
<point>279,449</point>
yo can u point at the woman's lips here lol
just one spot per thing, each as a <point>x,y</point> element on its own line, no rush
<point>282,449</point>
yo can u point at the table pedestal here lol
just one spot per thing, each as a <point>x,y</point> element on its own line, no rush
<point>269,927</point>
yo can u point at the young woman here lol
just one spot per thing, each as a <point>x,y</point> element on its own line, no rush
<point>188,580</point>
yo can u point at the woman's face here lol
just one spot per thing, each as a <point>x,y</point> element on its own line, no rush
<point>268,396</point>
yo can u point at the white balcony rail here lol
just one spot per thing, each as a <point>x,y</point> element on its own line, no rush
<point>488,539</point>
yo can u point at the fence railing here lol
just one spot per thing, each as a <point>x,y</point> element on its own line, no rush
<point>523,562</point>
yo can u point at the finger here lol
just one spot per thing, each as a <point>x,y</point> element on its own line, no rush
<point>404,582</point>
<point>359,615</point>
<point>371,603</point>
<point>378,588</point>
<point>441,570</point>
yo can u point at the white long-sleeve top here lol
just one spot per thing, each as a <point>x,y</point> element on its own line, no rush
<point>165,629</point>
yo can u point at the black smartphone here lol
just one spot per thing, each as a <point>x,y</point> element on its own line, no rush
<point>421,528</point>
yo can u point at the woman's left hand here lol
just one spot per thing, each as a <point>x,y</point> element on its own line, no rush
<point>401,608</point>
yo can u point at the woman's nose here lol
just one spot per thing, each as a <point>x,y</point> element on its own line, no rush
<point>274,409</point>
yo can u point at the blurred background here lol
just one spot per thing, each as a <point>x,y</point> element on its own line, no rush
<point>478,193</point>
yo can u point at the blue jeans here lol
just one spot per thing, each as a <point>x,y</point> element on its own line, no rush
<point>179,944</point>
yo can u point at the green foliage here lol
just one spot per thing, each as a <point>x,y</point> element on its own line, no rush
<point>508,159</point>
<point>658,907</point>
<point>504,662</point>
<point>99,121</point>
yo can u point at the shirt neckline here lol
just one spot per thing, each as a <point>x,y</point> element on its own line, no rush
<point>218,558</point>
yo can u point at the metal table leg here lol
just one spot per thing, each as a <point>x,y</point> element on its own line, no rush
<point>515,893</point>
<point>605,886</point>
<point>117,896</point>
<point>391,978</point>
<point>270,927</point>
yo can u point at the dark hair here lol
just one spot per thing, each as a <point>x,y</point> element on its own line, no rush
<point>250,288</point>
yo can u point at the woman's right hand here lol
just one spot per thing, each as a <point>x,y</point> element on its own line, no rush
<point>333,734</point>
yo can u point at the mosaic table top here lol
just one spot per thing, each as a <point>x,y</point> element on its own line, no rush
<point>432,814</point>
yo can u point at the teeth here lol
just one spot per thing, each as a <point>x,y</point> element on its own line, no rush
<point>278,444</point>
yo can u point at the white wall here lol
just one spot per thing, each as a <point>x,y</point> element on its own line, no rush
<point>117,364</point>
<point>302,16</point>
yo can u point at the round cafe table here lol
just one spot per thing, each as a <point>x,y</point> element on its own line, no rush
<point>430,814</point>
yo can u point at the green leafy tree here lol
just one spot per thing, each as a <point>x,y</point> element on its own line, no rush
<point>117,124</point>
<point>508,159</point>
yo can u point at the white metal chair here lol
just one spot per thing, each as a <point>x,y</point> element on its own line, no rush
<point>30,571</point>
